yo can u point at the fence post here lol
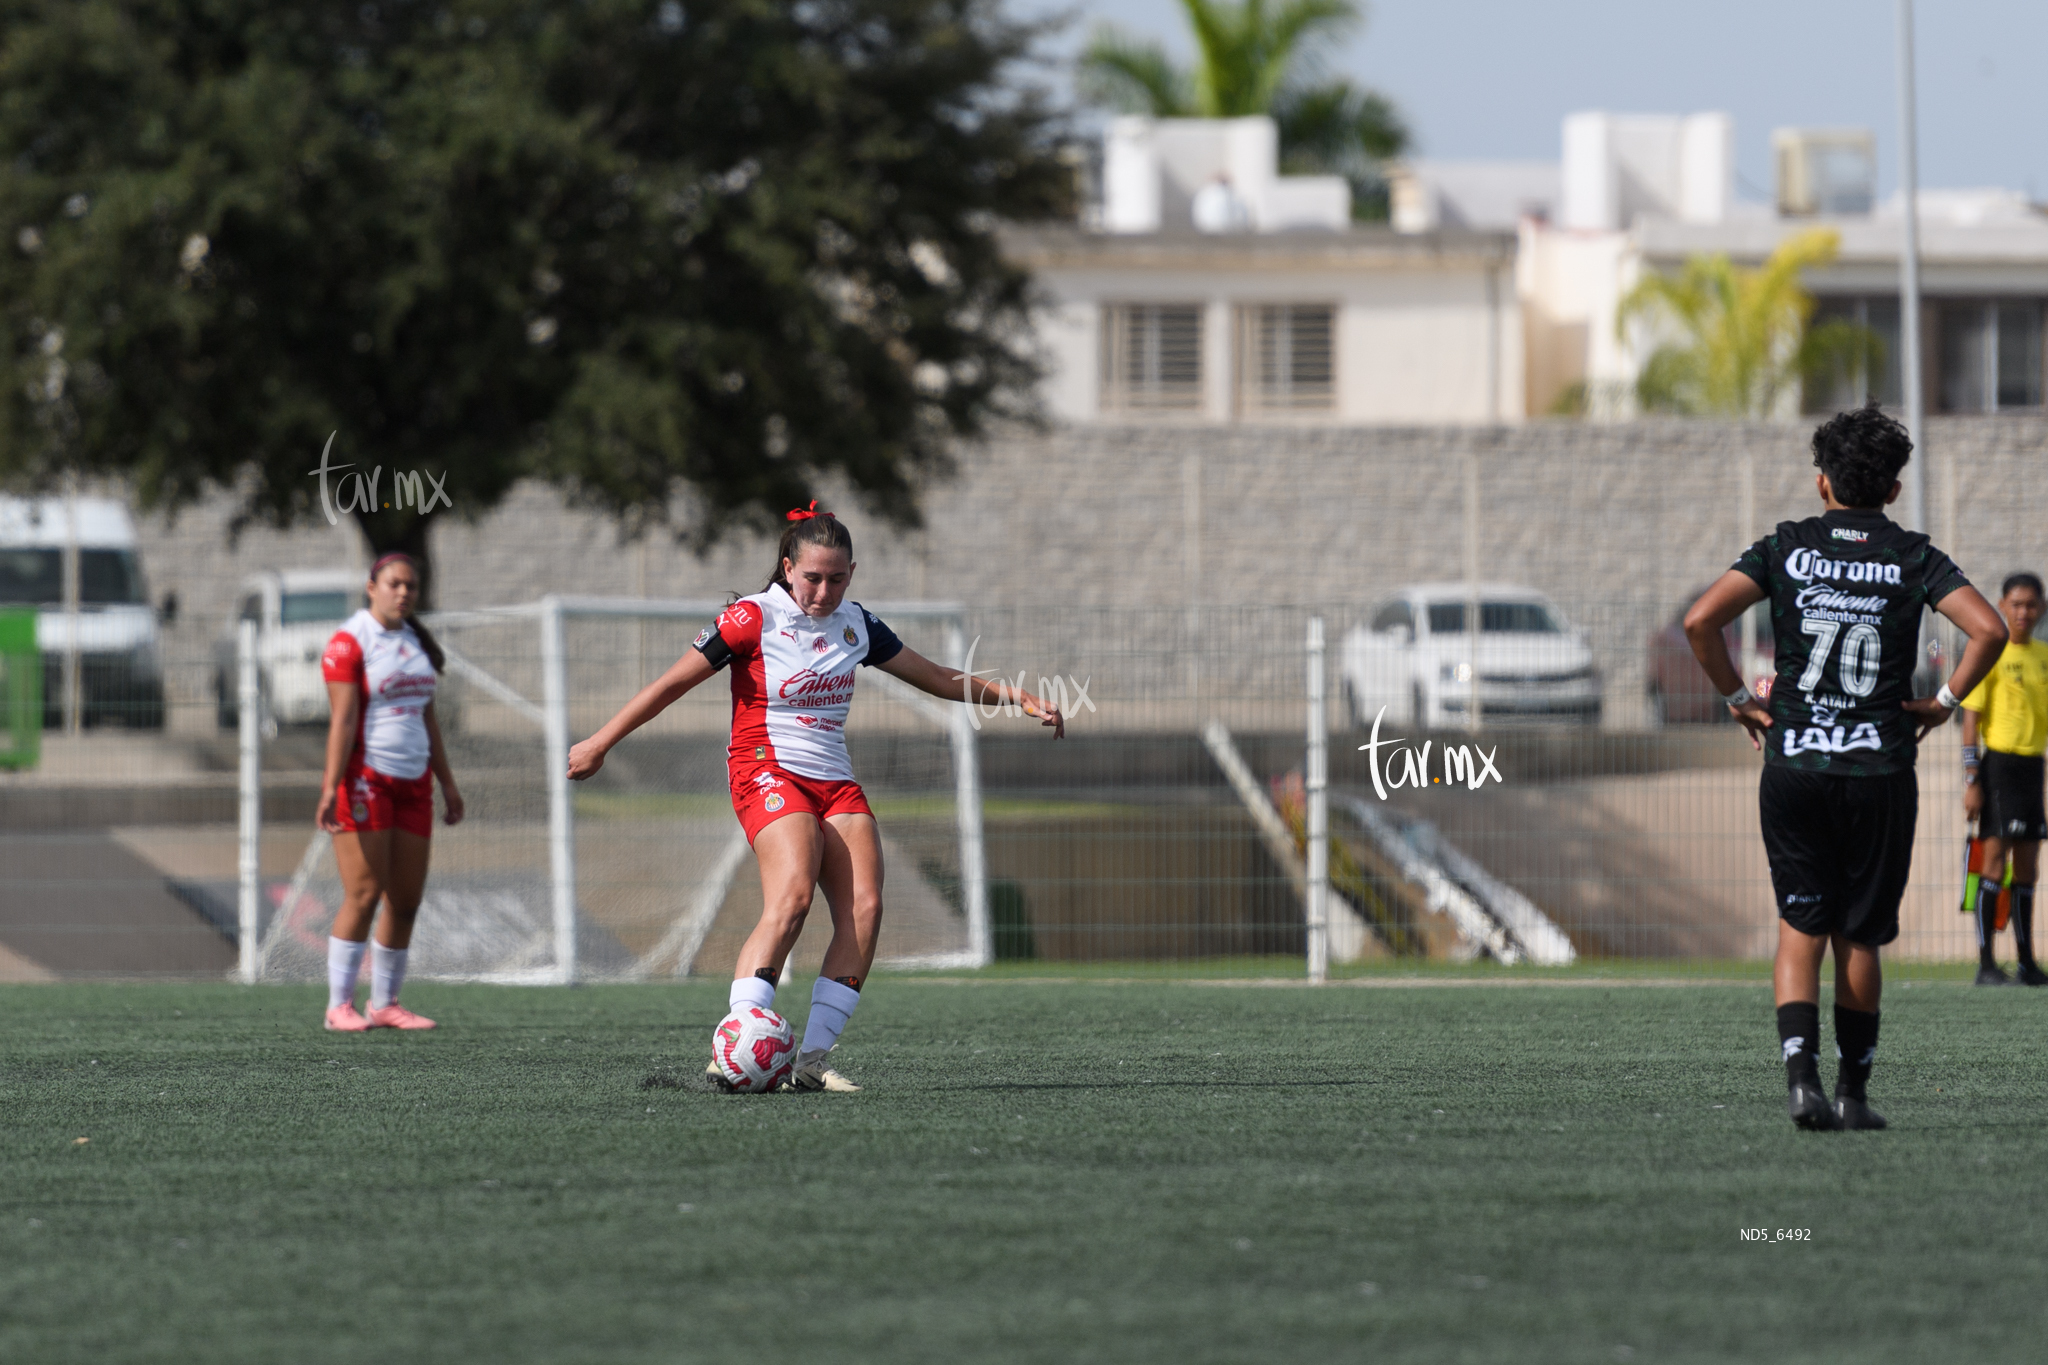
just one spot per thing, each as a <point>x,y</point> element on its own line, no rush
<point>1318,782</point>
<point>249,717</point>
<point>561,815</point>
<point>967,812</point>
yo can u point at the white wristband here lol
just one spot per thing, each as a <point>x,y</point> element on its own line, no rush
<point>1947,698</point>
<point>1741,696</point>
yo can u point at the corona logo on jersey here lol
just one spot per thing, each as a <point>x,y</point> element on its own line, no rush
<point>1804,564</point>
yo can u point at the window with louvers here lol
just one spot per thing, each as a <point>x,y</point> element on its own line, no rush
<point>1286,357</point>
<point>1152,357</point>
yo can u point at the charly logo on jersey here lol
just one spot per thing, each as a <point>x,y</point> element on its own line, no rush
<point>1804,565</point>
<point>1844,533</point>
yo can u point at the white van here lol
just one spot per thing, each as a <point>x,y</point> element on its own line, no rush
<point>296,612</point>
<point>120,674</point>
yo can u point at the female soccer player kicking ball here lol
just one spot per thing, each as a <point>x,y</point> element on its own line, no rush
<point>377,797</point>
<point>793,648</point>
<point>1839,733</point>
<point>2002,791</point>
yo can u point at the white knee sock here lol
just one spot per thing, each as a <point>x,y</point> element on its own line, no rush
<point>387,974</point>
<point>831,1006</point>
<point>751,990</point>
<point>344,964</point>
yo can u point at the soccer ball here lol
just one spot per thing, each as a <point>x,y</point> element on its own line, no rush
<point>755,1049</point>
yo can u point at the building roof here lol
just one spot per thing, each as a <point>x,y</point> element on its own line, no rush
<point>1359,248</point>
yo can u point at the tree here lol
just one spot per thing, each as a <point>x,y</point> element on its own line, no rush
<point>1746,336</point>
<point>1256,59</point>
<point>635,248</point>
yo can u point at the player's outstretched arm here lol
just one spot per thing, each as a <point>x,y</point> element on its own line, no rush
<point>587,757</point>
<point>1732,594</point>
<point>950,684</point>
<point>1977,619</point>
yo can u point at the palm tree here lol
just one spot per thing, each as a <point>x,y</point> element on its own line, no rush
<point>1256,58</point>
<point>1747,339</point>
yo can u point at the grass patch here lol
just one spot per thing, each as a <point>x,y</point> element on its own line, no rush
<point>1036,1172</point>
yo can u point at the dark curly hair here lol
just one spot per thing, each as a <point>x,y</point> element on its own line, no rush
<point>2022,579</point>
<point>1861,451</point>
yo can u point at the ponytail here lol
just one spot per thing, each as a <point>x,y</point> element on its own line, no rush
<point>429,646</point>
<point>807,526</point>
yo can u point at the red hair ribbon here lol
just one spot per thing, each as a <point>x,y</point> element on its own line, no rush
<point>805,514</point>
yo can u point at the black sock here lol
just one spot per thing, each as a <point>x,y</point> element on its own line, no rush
<point>1856,1045</point>
<point>2023,923</point>
<point>1799,1034</point>
<point>1987,921</point>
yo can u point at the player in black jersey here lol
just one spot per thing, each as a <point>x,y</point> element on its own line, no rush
<point>1839,731</point>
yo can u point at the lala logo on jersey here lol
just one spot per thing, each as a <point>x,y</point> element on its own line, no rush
<point>1814,739</point>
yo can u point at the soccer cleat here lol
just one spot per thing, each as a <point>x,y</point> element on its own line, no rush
<point>1810,1109</point>
<point>2032,975</point>
<point>1992,976</point>
<point>395,1015</point>
<point>812,1074</point>
<point>344,1019</point>
<point>1854,1114</point>
<point>714,1079</point>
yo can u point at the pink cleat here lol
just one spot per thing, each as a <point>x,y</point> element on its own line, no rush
<point>344,1019</point>
<point>395,1015</point>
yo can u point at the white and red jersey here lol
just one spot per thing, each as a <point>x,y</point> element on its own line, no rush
<point>395,680</point>
<point>792,679</point>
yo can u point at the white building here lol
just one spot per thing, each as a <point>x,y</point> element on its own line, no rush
<point>1212,289</point>
<point>1642,194</point>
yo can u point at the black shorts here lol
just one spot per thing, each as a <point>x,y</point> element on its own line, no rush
<point>2012,797</point>
<point>1840,849</point>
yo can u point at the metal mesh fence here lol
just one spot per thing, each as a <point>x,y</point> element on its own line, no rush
<point>1618,810</point>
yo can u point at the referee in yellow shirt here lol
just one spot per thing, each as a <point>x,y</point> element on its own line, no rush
<point>2007,714</point>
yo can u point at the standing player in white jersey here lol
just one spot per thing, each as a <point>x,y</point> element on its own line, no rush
<point>793,648</point>
<point>377,796</point>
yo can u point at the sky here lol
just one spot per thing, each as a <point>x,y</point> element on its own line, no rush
<point>1491,79</point>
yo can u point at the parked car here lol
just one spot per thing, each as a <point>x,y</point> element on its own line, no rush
<point>1679,692</point>
<point>120,663</point>
<point>1415,658</point>
<point>296,612</point>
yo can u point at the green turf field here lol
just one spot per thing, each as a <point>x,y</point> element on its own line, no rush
<point>1037,1172</point>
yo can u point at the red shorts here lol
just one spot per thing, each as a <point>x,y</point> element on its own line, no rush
<point>371,801</point>
<point>763,793</point>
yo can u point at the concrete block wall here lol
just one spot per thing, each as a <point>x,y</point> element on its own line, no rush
<point>1620,523</point>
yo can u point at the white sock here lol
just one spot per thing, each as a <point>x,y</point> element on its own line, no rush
<point>751,990</point>
<point>387,974</point>
<point>344,964</point>
<point>831,1006</point>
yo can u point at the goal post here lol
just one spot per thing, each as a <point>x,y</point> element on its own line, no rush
<point>549,882</point>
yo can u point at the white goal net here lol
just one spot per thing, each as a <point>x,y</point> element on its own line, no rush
<point>642,872</point>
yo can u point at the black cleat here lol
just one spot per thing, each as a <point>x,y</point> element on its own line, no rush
<point>1810,1108</point>
<point>2032,975</point>
<point>1992,976</point>
<point>1852,1115</point>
